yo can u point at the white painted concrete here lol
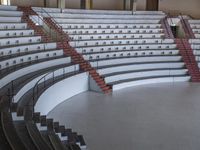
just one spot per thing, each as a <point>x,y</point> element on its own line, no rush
<point>148,117</point>
<point>61,91</point>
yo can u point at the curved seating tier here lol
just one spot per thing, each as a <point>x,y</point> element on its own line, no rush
<point>195,45</point>
<point>27,64</point>
<point>116,42</point>
<point>195,25</point>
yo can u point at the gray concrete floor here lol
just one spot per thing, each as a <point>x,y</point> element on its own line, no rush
<point>149,117</point>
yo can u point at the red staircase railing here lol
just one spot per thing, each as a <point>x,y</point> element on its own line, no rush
<point>39,30</point>
<point>78,58</point>
<point>167,30</point>
<point>63,42</point>
<point>188,57</point>
<point>189,34</point>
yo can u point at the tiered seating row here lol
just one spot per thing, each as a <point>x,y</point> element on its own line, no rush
<point>25,60</point>
<point>195,25</point>
<point>122,42</point>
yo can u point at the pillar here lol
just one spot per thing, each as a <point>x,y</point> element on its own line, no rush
<point>134,5</point>
<point>130,5</point>
<point>86,4</point>
<point>61,4</point>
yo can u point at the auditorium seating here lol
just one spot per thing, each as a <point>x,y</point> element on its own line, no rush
<point>123,39</point>
<point>195,25</point>
<point>27,63</point>
<point>195,43</point>
<point>120,48</point>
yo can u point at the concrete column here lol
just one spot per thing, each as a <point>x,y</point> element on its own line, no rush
<point>46,3</point>
<point>86,4</point>
<point>130,5</point>
<point>134,5</point>
<point>61,4</point>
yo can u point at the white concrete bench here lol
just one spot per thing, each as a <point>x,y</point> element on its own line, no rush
<point>113,31</point>
<point>81,11</point>
<point>29,58</point>
<point>27,48</point>
<point>120,54</point>
<point>194,21</point>
<point>111,12</point>
<point>109,21</point>
<point>19,40</point>
<point>8,8</point>
<point>97,16</point>
<point>10,19</point>
<point>144,74</point>
<point>81,37</point>
<point>110,26</point>
<point>125,47</point>
<point>16,26</point>
<point>6,13</point>
<point>49,10</point>
<point>142,66</point>
<point>32,68</point>
<point>151,81</point>
<point>121,61</point>
<point>120,42</point>
<point>15,33</point>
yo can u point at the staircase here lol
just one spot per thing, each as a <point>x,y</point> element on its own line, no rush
<point>187,29</point>
<point>167,30</point>
<point>76,57</point>
<point>189,59</point>
<point>28,11</point>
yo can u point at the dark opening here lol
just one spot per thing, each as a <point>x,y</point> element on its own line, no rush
<point>174,30</point>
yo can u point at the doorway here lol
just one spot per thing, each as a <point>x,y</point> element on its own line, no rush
<point>152,5</point>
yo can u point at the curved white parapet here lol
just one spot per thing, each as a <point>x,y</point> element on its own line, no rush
<point>32,83</point>
<point>61,91</point>
<point>32,68</point>
<point>150,81</point>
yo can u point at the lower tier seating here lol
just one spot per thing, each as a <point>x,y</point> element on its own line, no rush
<point>195,45</point>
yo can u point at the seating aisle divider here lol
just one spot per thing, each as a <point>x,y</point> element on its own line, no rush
<point>189,59</point>
<point>184,47</point>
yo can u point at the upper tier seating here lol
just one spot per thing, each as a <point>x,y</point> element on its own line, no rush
<point>195,45</point>
<point>195,25</point>
<point>112,41</point>
<point>27,64</point>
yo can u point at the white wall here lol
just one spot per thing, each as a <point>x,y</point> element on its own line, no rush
<point>60,92</point>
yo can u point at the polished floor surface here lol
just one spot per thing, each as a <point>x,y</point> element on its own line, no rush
<point>149,117</point>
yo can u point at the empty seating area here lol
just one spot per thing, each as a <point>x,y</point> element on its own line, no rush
<point>117,49</point>
<point>195,43</point>
<point>135,41</point>
<point>29,64</point>
<point>195,25</point>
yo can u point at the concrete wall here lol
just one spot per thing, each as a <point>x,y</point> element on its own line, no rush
<point>39,3</point>
<point>191,7</point>
<point>174,6</point>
